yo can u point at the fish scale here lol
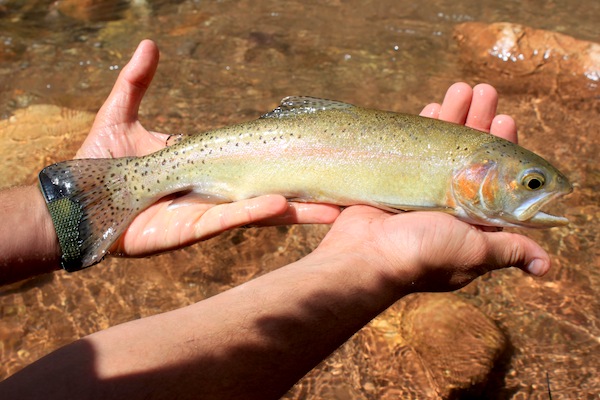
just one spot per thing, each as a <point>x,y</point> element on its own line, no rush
<point>310,150</point>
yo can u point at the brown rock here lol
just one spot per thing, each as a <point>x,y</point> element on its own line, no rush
<point>532,60</point>
<point>426,346</point>
<point>92,10</point>
<point>37,136</point>
<point>456,343</point>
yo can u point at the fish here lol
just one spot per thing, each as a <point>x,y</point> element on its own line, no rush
<point>308,150</point>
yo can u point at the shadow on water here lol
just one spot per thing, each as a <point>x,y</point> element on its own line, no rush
<point>496,388</point>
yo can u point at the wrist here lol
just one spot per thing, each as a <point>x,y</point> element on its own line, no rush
<point>47,233</point>
<point>364,263</point>
<point>28,242</point>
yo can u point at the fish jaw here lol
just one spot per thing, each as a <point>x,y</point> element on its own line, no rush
<point>529,213</point>
<point>544,220</point>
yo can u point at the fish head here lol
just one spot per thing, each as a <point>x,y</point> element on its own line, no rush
<point>507,186</point>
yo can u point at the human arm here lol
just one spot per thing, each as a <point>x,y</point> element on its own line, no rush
<point>256,340</point>
<point>28,244</point>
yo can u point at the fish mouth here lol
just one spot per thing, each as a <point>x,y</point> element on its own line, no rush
<point>530,214</point>
<point>545,220</point>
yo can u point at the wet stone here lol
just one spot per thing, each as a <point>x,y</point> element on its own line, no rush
<point>532,60</point>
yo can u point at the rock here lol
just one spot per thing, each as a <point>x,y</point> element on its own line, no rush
<point>10,48</point>
<point>37,136</point>
<point>532,60</point>
<point>457,344</point>
<point>92,10</point>
<point>426,346</point>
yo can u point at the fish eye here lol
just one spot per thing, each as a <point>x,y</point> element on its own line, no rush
<point>533,181</point>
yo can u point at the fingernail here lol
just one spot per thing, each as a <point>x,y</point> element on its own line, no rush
<point>537,267</point>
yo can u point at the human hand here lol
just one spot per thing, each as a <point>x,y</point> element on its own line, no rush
<point>117,132</point>
<point>434,251</point>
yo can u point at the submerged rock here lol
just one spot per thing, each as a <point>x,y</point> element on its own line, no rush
<point>92,10</point>
<point>534,60</point>
<point>38,135</point>
<point>457,344</point>
<point>426,346</point>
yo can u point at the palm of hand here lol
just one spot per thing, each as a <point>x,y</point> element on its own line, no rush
<point>431,251</point>
<point>117,132</point>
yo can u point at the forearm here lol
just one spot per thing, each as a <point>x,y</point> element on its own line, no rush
<point>28,243</point>
<point>253,341</point>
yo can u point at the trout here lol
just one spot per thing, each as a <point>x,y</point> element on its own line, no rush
<point>309,150</point>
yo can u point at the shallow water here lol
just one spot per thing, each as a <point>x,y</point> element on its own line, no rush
<point>227,61</point>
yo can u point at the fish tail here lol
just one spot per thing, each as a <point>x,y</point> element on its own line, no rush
<point>91,205</point>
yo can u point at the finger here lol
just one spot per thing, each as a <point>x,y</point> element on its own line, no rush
<point>505,127</point>
<point>244,212</point>
<point>431,111</point>
<point>124,100</point>
<point>483,107</point>
<point>511,249</point>
<point>456,103</point>
<point>304,213</point>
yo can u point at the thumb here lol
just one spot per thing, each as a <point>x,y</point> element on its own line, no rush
<point>511,249</point>
<point>124,100</point>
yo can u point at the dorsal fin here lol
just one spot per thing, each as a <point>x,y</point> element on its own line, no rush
<point>296,105</point>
